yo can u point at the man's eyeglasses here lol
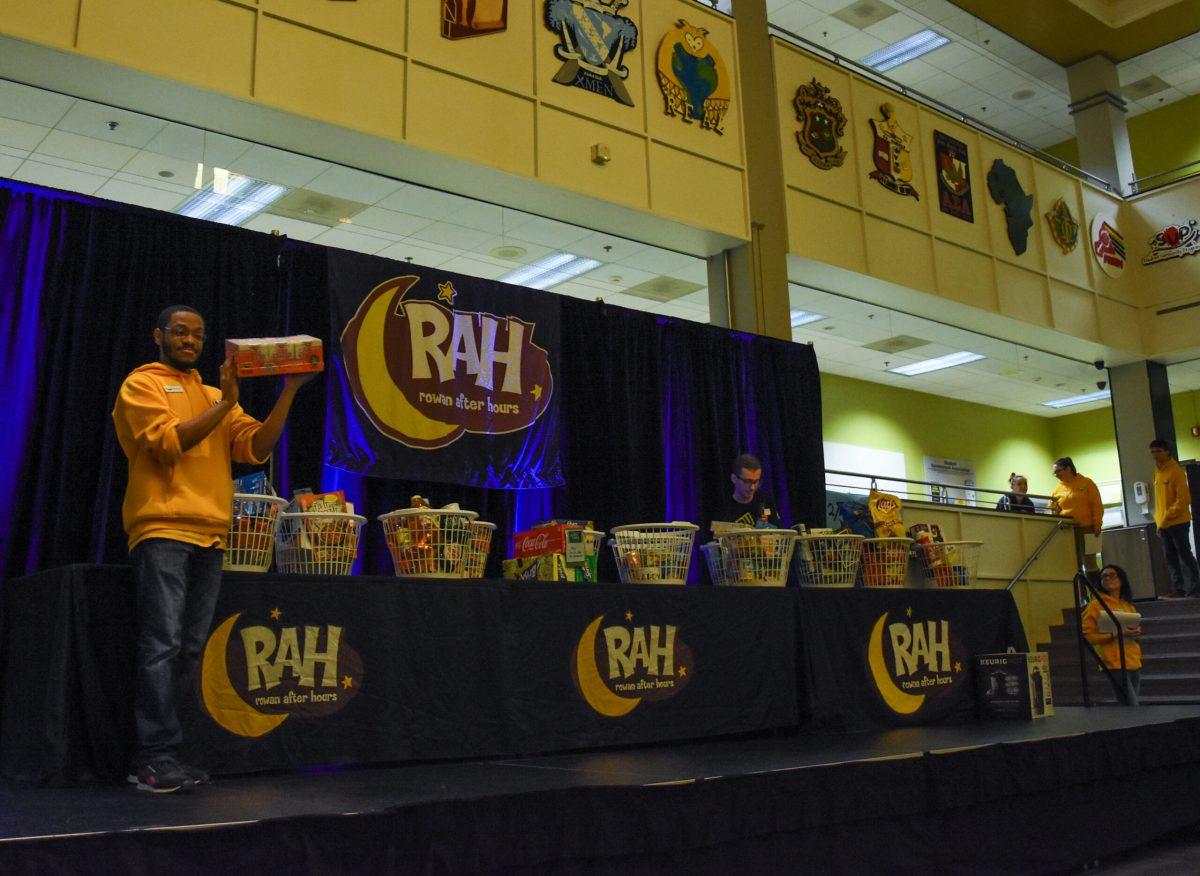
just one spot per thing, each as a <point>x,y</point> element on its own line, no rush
<point>182,331</point>
<point>750,482</point>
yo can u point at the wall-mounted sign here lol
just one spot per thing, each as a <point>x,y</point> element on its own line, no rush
<point>593,40</point>
<point>1173,242</point>
<point>953,177</point>
<point>469,18</point>
<point>1108,246</point>
<point>822,124</point>
<point>893,161</point>
<point>1005,189</point>
<point>692,76</point>
<point>1063,227</point>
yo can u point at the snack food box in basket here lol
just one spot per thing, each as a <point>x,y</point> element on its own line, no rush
<point>258,357</point>
<point>425,543</point>
<point>555,551</point>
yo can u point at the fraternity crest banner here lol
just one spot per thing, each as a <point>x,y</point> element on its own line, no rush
<point>442,377</point>
<point>953,177</point>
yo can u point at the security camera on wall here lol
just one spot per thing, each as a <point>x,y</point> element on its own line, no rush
<point>1100,384</point>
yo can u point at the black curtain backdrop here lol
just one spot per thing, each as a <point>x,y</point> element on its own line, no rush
<point>654,408</point>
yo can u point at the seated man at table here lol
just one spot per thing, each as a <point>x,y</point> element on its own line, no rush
<point>747,505</point>
<point>180,437</point>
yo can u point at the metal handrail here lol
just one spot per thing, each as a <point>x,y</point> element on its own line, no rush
<point>1137,183</point>
<point>1037,552</point>
<point>1081,578</point>
<point>875,478</point>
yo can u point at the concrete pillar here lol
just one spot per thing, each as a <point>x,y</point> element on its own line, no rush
<point>1099,112</point>
<point>1141,407</point>
<point>756,286</point>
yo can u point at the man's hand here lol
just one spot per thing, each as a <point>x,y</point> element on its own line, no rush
<point>229,382</point>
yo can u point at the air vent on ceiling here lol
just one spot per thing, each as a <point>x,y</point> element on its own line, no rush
<point>864,13</point>
<point>663,288</point>
<point>896,344</point>
<point>1144,88</point>
<point>317,207</point>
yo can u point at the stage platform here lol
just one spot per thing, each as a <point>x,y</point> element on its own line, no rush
<point>976,796</point>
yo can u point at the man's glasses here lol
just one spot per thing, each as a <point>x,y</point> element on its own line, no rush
<point>750,482</point>
<point>182,331</point>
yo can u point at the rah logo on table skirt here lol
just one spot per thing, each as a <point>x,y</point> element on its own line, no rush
<point>916,662</point>
<point>617,667</point>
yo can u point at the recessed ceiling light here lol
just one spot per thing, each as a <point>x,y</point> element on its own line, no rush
<point>508,252</point>
<point>804,317</point>
<point>905,50</point>
<point>1023,94</point>
<point>550,271</point>
<point>166,174</point>
<point>243,197</point>
<point>950,360</point>
<point>1079,399</point>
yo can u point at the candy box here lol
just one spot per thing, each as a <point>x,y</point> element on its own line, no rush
<point>259,357</point>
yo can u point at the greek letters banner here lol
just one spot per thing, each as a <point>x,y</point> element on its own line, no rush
<point>441,377</point>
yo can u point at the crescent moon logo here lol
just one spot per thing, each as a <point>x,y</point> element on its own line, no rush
<point>897,700</point>
<point>220,699</point>
<point>591,685</point>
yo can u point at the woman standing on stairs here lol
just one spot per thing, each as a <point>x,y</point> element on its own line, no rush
<point>1115,593</point>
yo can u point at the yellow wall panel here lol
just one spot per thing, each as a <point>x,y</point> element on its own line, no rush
<point>965,276</point>
<point>639,63</point>
<point>825,231</point>
<point>1074,311</point>
<point>378,23</point>
<point>1023,294</point>
<point>794,68</point>
<point>44,21</point>
<point>487,126</point>
<point>1120,325</point>
<point>564,143</point>
<point>969,234</point>
<point>503,59</point>
<point>700,192</point>
<point>903,209</point>
<point>1002,247</point>
<point>659,19</point>
<point>1170,281</point>
<point>202,42</point>
<point>1052,184</point>
<point>899,255</point>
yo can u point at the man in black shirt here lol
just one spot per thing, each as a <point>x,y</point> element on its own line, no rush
<point>748,505</point>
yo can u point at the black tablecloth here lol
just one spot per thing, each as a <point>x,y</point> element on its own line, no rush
<point>308,671</point>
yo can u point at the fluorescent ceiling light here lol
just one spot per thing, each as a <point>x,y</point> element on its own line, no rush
<point>804,317</point>
<point>905,50</point>
<point>550,271</point>
<point>962,357</point>
<point>244,197</point>
<point>1079,399</point>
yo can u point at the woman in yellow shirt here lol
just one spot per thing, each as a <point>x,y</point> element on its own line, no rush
<point>1076,497</point>
<point>1115,593</point>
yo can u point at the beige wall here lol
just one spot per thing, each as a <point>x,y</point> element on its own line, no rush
<point>381,67</point>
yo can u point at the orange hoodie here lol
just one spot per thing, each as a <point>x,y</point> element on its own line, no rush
<point>1105,644</point>
<point>172,494</point>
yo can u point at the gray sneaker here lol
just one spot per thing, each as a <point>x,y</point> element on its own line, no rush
<point>160,776</point>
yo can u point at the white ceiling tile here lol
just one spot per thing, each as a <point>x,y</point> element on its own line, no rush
<point>549,232</point>
<point>292,228</point>
<point>1189,88</point>
<point>696,271</point>
<point>532,251</point>
<point>939,86</point>
<point>1165,58</point>
<point>794,17</point>
<point>1131,71</point>
<point>857,46</point>
<point>894,27</point>
<point>392,221</point>
<point>950,56</point>
<point>340,238</point>
<point>454,236</point>
<point>576,290</point>
<point>97,121</point>
<point>13,153</point>
<point>86,150</point>
<point>59,177</point>
<point>827,31</point>
<point>1162,98</point>
<point>480,216</point>
<point>355,185</point>
<point>628,301</point>
<point>658,261</point>
<point>913,72</point>
<point>475,268</point>
<point>606,247</point>
<point>967,99</point>
<point>151,165</point>
<point>33,105</point>
<point>144,196</point>
<point>429,255</point>
<point>9,165</point>
<point>1185,73</point>
<point>827,6</point>
<point>21,135</point>
<point>163,185</point>
<point>68,164</point>
<point>193,145</point>
<point>421,201</point>
<point>269,164</point>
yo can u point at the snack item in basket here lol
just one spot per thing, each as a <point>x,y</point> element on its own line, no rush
<point>259,357</point>
<point>548,567</point>
<point>885,511</point>
<point>549,539</point>
<point>855,518</point>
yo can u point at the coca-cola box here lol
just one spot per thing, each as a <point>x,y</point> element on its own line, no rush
<point>557,538</point>
<point>1014,685</point>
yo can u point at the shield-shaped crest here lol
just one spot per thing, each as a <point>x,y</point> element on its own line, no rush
<point>593,40</point>
<point>1063,227</point>
<point>822,124</point>
<point>893,161</point>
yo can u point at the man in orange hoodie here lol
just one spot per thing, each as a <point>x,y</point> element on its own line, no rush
<point>1173,517</point>
<point>180,437</point>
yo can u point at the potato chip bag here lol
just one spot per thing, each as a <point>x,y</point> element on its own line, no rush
<point>885,511</point>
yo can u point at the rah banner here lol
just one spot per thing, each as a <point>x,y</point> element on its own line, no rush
<point>442,377</point>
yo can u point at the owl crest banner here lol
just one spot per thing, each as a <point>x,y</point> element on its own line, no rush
<point>693,77</point>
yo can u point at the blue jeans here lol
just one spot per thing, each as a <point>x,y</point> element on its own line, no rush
<point>1117,677</point>
<point>1185,576</point>
<point>177,587</point>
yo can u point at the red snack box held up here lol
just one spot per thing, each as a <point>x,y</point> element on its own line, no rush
<point>260,357</point>
<point>541,540</point>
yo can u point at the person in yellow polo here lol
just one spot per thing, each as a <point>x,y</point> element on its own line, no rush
<point>1076,497</point>
<point>1173,517</point>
